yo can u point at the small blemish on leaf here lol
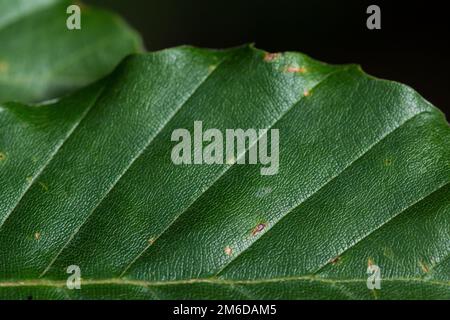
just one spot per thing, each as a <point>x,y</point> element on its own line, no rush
<point>37,235</point>
<point>270,56</point>
<point>424,266</point>
<point>212,67</point>
<point>4,66</point>
<point>306,93</point>
<point>260,227</point>
<point>370,262</point>
<point>44,186</point>
<point>335,260</point>
<point>29,179</point>
<point>228,251</point>
<point>231,161</point>
<point>151,241</point>
<point>293,69</point>
<point>2,156</point>
<point>387,162</point>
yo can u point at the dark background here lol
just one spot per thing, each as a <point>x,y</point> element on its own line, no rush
<point>412,47</point>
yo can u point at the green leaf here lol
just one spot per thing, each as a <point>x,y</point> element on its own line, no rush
<point>41,58</point>
<point>363,179</point>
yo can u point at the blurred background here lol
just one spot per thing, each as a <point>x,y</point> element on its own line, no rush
<point>412,47</point>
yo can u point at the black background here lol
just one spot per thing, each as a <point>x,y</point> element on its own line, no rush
<point>412,47</point>
<point>164,309</point>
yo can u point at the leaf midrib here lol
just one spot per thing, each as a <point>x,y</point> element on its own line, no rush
<point>212,280</point>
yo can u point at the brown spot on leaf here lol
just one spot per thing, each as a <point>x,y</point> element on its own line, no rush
<point>270,56</point>
<point>228,251</point>
<point>424,266</point>
<point>335,260</point>
<point>293,69</point>
<point>306,93</point>
<point>387,162</point>
<point>2,156</point>
<point>260,227</point>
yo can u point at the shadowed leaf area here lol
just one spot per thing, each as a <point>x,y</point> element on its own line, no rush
<point>40,58</point>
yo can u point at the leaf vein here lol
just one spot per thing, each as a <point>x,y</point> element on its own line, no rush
<point>382,138</point>
<point>133,160</point>
<point>214,281</point>
<point>222,175</point>
<point>390,220</point>
<point>53,154</point>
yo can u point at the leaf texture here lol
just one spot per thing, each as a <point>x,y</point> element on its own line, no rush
<point>364,178</point>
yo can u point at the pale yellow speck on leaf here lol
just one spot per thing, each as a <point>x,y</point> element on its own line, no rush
<point>4,66</point>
